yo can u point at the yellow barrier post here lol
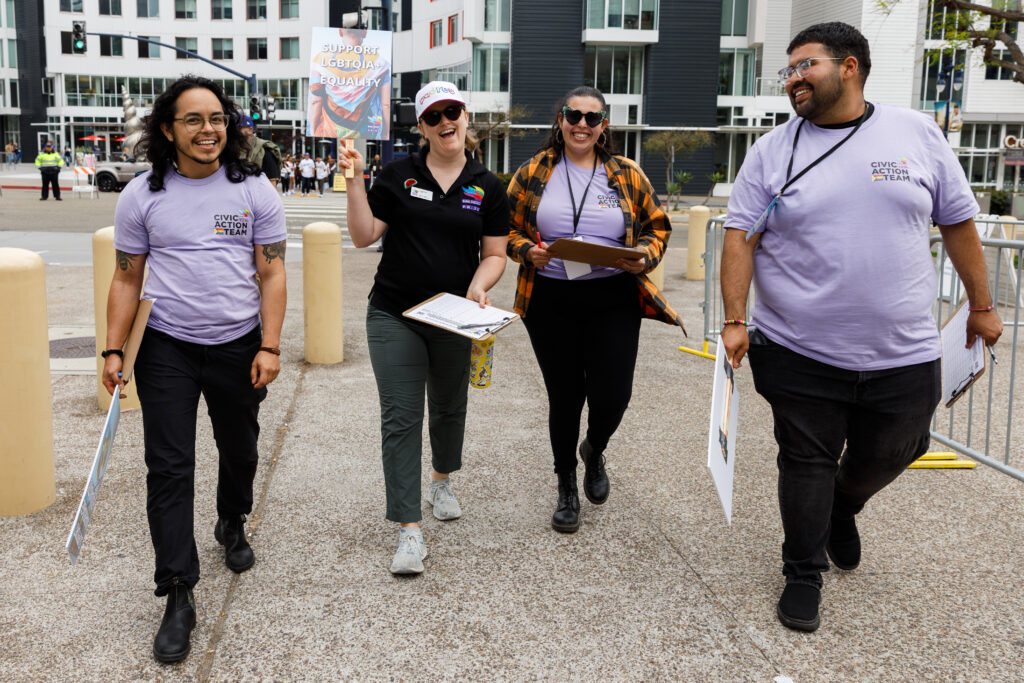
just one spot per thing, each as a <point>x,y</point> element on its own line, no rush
<point>321,293</point>
<point>1009,230</point>
<point>27,482</point>
<point>103,263</point>
<point>695,238</point>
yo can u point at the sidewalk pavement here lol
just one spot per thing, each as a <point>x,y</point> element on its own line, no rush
<point>654,586</point>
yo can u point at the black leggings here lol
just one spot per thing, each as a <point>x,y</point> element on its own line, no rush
<point>585,335</point>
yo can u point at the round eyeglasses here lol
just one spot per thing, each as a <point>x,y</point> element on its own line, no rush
<point>195,122</point>
<point>802,67</point>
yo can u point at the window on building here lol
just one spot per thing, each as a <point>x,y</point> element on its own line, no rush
<point>734,17</point>
<point>148,50</point>
<point>65,44</point>
<point>256,9</point>
<point>184,9</point>
<point>257,48</point>
<point>3,99</point>
<point>490,67</point>
<point>289,9</point>
<point>12,53</point>
<point>10,13</point>
<point>220,9</point>
<point>110,7</point>
<point>951,66</point>
<point>497,15</point>
<point>111,46</point>
<point>435,33</point>
<point>284,91</point>
<point>943,23</point>
<point>289,48</point>
<point>223,48</point>
<point>147,8</point>
<point>190,44</point>
<point>994,72</point>
<point>736,72</point>
<point>617,69</point>
<point>48,97</point>
<point>453,28</point>
<point>625,14</point>
<point>15,102</point>
<point>71,6</point>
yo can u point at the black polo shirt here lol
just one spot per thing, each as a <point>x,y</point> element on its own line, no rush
<point>433,238</point>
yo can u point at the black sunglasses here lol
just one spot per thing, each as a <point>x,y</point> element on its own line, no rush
<point>452,112</point>
<point>594,118</point>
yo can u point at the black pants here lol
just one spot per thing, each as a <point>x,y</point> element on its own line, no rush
<point>881,417</point>
<point>307,185</point>
<point>171,374</point>
<point>585,335</point>
<point>51,178</point>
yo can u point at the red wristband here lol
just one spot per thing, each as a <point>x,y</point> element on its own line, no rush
<point>980,309</point>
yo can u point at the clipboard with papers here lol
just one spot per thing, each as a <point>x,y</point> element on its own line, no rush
<point>961,366</point>
<point>594,254</point>
<point>460,315</point>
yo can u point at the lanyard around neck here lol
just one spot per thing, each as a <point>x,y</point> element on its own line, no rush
<point>796,138</point>
<point>577,214</point>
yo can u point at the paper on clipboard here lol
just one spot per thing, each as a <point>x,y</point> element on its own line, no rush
<point>460,315</point>
<point>725,403</point>
<point>961,367</point>
<point>131,346</point>
<point>594,254</point>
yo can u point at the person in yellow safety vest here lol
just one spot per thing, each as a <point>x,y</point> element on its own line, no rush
<point>49,162</point>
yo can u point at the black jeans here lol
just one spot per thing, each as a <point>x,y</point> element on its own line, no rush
<point>171,374</point>
<point>51,178</point>
<point>880,416</point>
<point>585,334</point>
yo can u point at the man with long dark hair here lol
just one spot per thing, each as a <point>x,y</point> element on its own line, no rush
<point>207,225</point>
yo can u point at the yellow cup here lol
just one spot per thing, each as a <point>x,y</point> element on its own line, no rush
<point>481,358</point>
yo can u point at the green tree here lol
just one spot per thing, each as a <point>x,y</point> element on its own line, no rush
<point>497,125</point>
<point>971,25</point>
<point>673,145</point>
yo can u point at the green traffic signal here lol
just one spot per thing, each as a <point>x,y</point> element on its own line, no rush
<point>79,44</point>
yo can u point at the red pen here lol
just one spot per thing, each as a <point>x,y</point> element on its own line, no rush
<point>540,243</point>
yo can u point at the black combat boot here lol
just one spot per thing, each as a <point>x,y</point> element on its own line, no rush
<point>595,479</point>
<point>230,533</point>
<point>172,640</point>
<point>567,515</point>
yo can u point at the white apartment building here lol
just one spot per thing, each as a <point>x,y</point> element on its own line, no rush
<point>906,66</point>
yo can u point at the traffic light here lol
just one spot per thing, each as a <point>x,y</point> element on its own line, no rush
<point>254,107</point>
<point>78,44</point>
<point>271,105</point>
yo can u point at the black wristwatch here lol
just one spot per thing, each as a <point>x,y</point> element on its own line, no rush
<point>112,352</point>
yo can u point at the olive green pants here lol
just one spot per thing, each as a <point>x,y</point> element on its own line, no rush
<point>408,358</point>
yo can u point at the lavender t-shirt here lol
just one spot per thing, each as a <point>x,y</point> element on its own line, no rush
<point>843,273</point>
<point>601,221</point>
<point>200,237</point>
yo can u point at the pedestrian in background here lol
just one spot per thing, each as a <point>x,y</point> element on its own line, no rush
<point>321,176</point>
<point>49,164</point>
<point>67,156</point>
<point>831,215</point>
<point>307,170</point>
<point>9,153</point>
<point>287,174</point>
<point>206,224</point>
<point>584,321</point>
<point>447,222</point>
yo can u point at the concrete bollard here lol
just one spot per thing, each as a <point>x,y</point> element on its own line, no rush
<point>27,481</point>
<point>695,238</point>
<point>103,263</point>
<point>321,293</point>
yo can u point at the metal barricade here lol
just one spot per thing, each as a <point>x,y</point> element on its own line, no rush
<point>980,425</point>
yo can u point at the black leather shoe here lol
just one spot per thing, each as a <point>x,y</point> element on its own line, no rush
<point>843,545</point>
<point>230,533</point>
<point>567,515</point>
<point>172,640</point>
<point>798,607</point>
<point>595,479</point>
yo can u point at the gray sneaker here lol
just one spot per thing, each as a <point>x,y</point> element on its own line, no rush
<point>443,500</point>
<point>411,552</point>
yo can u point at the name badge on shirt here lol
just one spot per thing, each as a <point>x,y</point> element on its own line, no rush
<point>420,193</point>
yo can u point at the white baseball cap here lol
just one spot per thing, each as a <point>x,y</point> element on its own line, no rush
<point>434,92</point>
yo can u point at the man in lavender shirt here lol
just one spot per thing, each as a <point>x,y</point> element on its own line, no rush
<point>206,223</point>
<point>845,348</point>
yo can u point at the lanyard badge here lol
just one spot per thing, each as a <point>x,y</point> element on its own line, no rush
<point>759,224</point>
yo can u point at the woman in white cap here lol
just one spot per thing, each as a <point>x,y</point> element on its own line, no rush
<point>446,217</point>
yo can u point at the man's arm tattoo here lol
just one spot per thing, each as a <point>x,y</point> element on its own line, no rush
<point>125,261</point>
<point>273,251</point>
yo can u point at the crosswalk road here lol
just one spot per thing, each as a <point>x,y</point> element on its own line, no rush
<point>301,211</point>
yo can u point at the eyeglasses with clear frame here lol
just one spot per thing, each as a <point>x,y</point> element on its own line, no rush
<point>195,122</point>
<point>802,67</point>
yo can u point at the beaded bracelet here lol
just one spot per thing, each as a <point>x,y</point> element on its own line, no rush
<point>980,309</point>
<point>734,321</point>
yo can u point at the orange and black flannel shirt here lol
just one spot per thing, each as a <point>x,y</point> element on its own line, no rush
<point>647,226</point>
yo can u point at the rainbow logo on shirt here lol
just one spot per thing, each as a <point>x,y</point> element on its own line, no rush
<point>473,192</point>
<point>246,212</point>
<point>218,231</point>
<point>877,176</point>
